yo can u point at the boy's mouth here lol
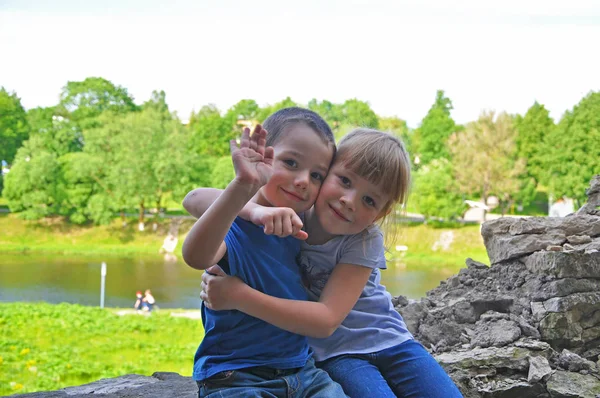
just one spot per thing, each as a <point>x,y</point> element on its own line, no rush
<point>293,196</point>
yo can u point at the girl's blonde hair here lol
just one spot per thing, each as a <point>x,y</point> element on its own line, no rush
<point>381,159</point>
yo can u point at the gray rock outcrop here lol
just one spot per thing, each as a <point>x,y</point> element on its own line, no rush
<point>529,324</point>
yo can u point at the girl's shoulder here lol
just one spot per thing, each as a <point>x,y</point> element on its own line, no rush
<point>370,239</point>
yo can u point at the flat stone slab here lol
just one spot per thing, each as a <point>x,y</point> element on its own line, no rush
<point>159,385</point>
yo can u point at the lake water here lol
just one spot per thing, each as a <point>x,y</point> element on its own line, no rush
<point>76,279</point>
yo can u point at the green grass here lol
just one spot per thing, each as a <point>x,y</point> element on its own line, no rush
<point>420,240</point>
<point>47,347</point>
<point>57,236</point>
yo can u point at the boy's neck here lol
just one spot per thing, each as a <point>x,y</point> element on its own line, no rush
<point>316,234</point>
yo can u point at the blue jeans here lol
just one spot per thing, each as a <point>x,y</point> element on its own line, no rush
<point>406,370</point>
<point>262,381</point>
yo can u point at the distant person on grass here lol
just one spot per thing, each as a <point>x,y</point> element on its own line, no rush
<point>139,301</point>
<point>148,301</point>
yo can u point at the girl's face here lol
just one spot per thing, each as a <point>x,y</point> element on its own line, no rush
<point>348,203</point>
<point>299,168</point>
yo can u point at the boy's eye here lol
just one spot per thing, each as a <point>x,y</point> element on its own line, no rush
<point>290,162</point>
<point>317,176</point>
<point>369,201</point>
<point>344,180</point>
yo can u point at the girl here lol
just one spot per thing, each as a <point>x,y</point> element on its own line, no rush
<point>241,355</point>
<point>356,334</point>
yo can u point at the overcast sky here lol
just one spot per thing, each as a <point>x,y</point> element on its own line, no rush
<point>500,55</point>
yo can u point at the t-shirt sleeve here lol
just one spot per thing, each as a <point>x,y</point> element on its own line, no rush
<point>365,249</point>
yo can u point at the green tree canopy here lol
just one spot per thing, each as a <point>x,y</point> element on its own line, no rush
<point>85,100</point>
<point>437,193</point>
<point>484,158</point>
<point>359,114</point>
<point>13,125</point>
<point>532,130</point>
<point>210,132</point>
<point>431,137</point>
<point>573,155</point>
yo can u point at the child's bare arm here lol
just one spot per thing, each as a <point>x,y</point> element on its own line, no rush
<point>204,245</point>
<point>307,318</point>
<point>279,221</point>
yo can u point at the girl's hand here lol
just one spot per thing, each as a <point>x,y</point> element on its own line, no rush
<point>221,291</point>
<point>278,221</point>
<point>253,163</point>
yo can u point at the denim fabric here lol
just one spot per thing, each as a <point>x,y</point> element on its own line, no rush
<point>406,370</point>
<point>268,382</point>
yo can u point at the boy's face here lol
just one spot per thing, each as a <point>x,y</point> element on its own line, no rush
<point>299,168</point>
<point>348,203</point>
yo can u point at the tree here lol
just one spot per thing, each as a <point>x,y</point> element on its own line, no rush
<point>431,137</point>
<point>436,192</point>
<point>83,101</point>
<point>222,172</point>
<point>269,110</point>
<point>359,114</point>
<point>34,186</point>
<point>210,132</point>
<point>398,128</point>
<point>573,150</point>
<point>332,113</point>
<point>13,125</point>
<point>532,130</point>
<point>57,134</point>
<point>484,158</point>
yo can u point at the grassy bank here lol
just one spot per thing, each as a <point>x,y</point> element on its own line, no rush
<point>56,236</point>
<point>46,347</point>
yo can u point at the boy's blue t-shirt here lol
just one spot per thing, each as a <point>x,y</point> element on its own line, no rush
<point>234,340</point>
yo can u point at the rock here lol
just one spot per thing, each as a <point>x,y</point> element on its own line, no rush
<point>412,314</point>
<point>159,385</point>
<point>565,287</point>
<point>400,301</point>
<point>505,247</point>
<point>496,333</point>
<point>579,239</point>
<point>509,388</point>
<point>574,363</point>
<point>445,330</point>
<point>472,264</point>
<point>576,264</point>
<point>567,384</point>
<point>514,358</point>
<point>593,194</point>
<point>539,368</point>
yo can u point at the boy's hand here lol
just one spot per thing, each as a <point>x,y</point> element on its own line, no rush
<point>253,163</point>
<point>278,221</point>
<point>221,291</point>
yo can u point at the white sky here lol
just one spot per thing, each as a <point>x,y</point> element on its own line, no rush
<point>395,54</point>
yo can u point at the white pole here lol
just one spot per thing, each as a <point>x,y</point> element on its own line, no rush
<point>102,283</point>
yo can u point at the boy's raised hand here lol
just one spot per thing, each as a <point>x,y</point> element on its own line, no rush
<point>253,163</point>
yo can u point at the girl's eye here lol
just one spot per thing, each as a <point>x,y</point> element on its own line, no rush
<point>369,201</point>
<point>317,176</point>
<point>290,162</point>
<point>344,180</point>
